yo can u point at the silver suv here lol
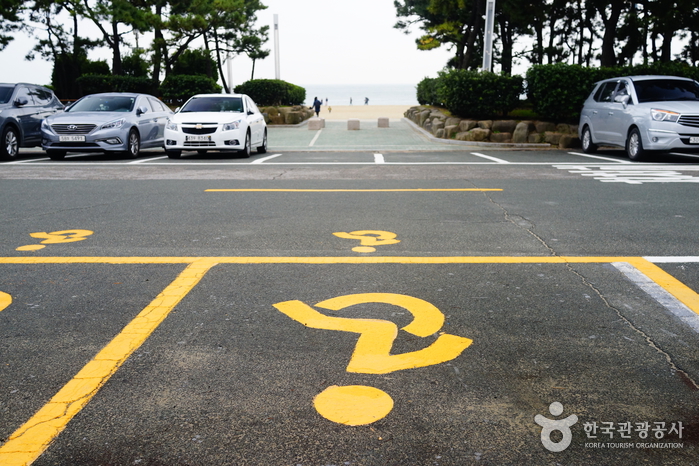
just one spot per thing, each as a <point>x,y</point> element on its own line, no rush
<point>22,109</point>
<point>642,114</point>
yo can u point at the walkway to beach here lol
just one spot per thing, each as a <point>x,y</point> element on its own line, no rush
<point>401,135</point>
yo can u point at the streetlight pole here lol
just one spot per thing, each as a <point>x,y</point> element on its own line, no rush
<point>489,28</point>
<point>277,73</point>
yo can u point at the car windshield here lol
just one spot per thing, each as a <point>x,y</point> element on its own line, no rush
<point>104,104</point>
<point>661,90</point>
<point>213,104</point>
<point>5,94</point>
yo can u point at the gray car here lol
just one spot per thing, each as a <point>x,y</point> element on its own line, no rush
<point>120,123</point>
<point>22,108</point>
<point>642,114</point>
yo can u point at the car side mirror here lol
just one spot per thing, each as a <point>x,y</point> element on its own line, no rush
<point>622,99</point>
<point>141,110</point>
<point>21,101</point>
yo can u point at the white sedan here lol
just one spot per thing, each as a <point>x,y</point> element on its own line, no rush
<point>220,122</point>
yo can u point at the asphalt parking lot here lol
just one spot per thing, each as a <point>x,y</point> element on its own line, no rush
<point>465,305</point>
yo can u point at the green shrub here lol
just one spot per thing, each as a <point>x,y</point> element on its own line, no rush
<point>477,94</point>
<point>427,92</point>
<point>272,92</point>
<point>97,83</point>
<point>177,89</point>
<point>558,92</point>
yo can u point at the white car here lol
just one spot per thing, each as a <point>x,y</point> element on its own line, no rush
<point>220,122</point>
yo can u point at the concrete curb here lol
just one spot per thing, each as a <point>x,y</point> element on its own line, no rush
<point>504,145</point>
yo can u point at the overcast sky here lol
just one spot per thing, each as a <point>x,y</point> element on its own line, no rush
<point>321,42</point>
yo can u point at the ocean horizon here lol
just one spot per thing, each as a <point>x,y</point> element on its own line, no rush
<point>378,94</point>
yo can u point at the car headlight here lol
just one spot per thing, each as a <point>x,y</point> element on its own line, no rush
<point>664,115</point>
<point>44,124</point>
<point>231,126</point>
<point>171,125</point>
<point>113,124</point>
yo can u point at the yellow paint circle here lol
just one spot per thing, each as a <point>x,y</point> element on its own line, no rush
<point>31,247</point>
<point>353,405</point>
<point>5,300</point>
<point>363,249</point>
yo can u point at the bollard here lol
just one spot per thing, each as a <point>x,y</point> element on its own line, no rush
<point>383,122</point>
<point>353,124</point>
<point>315,124</point>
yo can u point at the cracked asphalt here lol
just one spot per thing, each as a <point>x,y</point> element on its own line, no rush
<point>154,338</point>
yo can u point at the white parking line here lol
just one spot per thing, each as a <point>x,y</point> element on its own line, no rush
<point>264,159</point>
<point>494,159</point>
<point>315,138</point>
<point>147,160</point>
<point>600,158</point>
<point>657,292</point>
<point>378,158</point>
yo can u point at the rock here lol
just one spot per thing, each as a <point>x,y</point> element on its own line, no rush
<point>542,127</point>
<point>504,126</point>
<point>436,126</point>
<point>293,118</point>
<point>467,125</point>
<point>478,135</point>
<point>451,121</point>
<point>569,141</point>
<point>450,131</point>
<point>501,137</point>
<point>485,124</point>
<point>440,133</point>
<point>535,138</point>
<point>423,117</point>
<point>552,138</point>
<point>563,128</point>
<point>521,133</point>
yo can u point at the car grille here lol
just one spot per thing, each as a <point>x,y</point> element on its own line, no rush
<point>199,144</point>
<point>198,130</point>
<point>689,120</point>
<point>72,129</point>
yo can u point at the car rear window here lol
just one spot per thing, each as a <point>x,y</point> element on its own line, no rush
<point>213,104</point>
<point>5,94</point>
<point>662,90</point>
<point>103,104</point>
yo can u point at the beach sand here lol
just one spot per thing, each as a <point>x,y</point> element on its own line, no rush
<point>363,112</point>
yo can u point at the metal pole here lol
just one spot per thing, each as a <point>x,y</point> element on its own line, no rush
<point>277,73</point>
<point>489,28</point>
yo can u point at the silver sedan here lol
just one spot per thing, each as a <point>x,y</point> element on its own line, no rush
<point>114,123</point>
<point>642,114</point>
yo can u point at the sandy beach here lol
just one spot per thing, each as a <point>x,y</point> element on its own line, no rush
<point>362,112</point>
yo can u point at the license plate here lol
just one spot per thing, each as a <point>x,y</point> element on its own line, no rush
<point>199,138</point>
<point>694,140</point>
<point>71,138</point>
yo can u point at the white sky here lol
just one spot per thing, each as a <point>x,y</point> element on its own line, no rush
<point>321,42</point>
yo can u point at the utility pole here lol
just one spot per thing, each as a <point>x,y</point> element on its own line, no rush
<point>277,73</point>
<point>489,28</point>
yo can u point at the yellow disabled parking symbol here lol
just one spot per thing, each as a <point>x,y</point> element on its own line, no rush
<point>369,238</point>
<point>358,405</point>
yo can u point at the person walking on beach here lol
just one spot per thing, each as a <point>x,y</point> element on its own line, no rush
<point>366,100</point>
<point>350,100</point>
<point>316,106</point>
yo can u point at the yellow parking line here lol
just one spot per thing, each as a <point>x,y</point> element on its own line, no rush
<point>28,442</point>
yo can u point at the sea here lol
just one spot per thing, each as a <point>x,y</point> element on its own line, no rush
<point>378,94</point>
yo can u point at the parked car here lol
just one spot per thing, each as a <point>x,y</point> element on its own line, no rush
<point>642,114</point>
<point>22,108</point>
<point>112,122</point>
<point>220,122</point>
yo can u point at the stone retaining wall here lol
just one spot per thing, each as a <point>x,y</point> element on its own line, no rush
<point>286,115</point>
<point>440,125</point>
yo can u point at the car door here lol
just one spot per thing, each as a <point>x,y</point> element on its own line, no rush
<point>600,113</point>
<point>147,122</point>
<point>619,113</point>
<point>28,116</point>
<point>160,116</point>
<point>255,121</point>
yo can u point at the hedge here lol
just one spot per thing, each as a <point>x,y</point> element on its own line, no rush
<point>98,83</point>
<point>177,89</point>
<point>475,94</point>
<point>269,92</point>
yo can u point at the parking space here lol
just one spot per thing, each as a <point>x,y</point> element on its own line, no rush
<point>208,373</point>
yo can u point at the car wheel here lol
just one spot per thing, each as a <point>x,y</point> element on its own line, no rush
<point>263,148</point>
<point>247,150</point>
<point>588,146</point>
<point>634,146</point>
<point>56,154</point>
<point>10,144</point>
<point>134,144</point>
<point>173,154</point>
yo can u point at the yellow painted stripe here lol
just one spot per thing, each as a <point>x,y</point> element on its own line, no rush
<point>345,190</point>
<point>320,260</point>
<point>28,442</point>
<point>679,290</point>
